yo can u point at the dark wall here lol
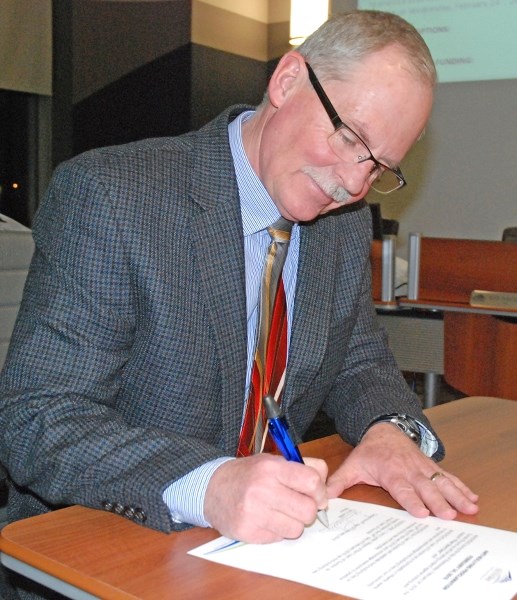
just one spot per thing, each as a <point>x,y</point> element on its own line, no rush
<point>123,72</point>
<point>14,150</point>
<point>220,79</point>
<point>152,101</point>
<point>62,80</point>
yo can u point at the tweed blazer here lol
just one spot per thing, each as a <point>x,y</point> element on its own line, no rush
<point>127,363</point>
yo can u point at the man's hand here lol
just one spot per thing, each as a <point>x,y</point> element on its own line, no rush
<point>265,498</point>
<point>387,458</point>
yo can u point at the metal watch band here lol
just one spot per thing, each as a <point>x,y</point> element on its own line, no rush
<point>405,423</point>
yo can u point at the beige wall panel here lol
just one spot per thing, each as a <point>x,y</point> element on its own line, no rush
<point>279,11</point>
<point>251,9</point>
<point>227,31</point>
<point>265,11</point>
<point>26,46</point>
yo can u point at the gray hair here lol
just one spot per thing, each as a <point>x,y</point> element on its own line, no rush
<point>338,46</point>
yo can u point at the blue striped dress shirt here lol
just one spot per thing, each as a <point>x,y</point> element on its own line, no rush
<point>185,497</point>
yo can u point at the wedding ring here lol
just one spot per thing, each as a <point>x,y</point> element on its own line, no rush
<point>436,475</point>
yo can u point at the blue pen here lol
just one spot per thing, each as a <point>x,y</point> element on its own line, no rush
<point>278,428</point>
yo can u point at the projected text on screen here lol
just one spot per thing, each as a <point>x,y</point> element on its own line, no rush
<point>470,40</point>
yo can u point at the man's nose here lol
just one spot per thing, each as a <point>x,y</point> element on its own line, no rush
<point>355,176</point>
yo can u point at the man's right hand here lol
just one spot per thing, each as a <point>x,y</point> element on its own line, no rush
<point>265,498</point>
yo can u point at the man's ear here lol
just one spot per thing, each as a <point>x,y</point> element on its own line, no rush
<point>288,75</point>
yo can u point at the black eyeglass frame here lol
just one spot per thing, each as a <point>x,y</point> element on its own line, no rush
<point>337,123</point>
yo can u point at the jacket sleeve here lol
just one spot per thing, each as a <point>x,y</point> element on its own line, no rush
<point>369,383</point>
<point>63,439</point>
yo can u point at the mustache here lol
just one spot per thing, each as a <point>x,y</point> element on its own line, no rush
<point>328,184</point>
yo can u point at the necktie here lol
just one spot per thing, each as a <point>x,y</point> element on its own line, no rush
<point>271,347</point>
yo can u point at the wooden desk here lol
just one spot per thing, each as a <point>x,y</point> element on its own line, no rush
<point>479,355</point>
<point>114,559</point>
<point>480,341</point>
<point>445,271</point>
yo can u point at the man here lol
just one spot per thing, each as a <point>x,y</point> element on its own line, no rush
<point>126,380</point>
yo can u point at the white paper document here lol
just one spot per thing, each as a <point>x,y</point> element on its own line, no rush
<point>371,552</point>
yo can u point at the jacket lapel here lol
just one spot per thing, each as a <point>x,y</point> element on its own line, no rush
<point>219,247</point>
<point>218,243</point>
<point>314,297</point>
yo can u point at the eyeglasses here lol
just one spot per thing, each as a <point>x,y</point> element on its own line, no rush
<point>350,148</point>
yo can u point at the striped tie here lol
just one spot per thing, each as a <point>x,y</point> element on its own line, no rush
<point>271,348</point>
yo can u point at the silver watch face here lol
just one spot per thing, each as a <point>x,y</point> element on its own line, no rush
<point>407,426</point>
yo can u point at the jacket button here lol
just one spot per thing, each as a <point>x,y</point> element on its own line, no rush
<point>118,508</point>
<point>107,505</point>
<point>140,515</point>
<point>129,512</point>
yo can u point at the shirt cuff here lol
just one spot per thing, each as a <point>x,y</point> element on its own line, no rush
<point>185,497</point>
<point>428,441</point>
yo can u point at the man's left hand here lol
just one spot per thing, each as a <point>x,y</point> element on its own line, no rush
<point>387,458</point>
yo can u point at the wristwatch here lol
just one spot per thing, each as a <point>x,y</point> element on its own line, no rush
<point>405,423</point>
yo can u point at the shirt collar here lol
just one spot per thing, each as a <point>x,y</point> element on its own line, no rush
<point>258,210</point>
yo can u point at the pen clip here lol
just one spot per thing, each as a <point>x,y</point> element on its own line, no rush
<point>272,408</point>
